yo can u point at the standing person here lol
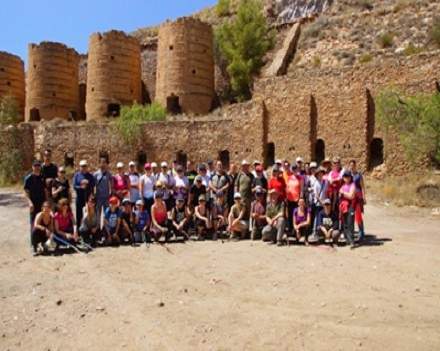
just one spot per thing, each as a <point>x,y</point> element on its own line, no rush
<point>232,175</point>
<point>327,223</point>
<point>49,171</point>
<point>287,170</point>
<point>258,164</point>
<point>294,190</point>
<point>277,182</point>
<point>112,222</point>
<point>156,170</point>
<point>134,177</point>
<point>42,228</point>
<point>146,187</point>
<point>90,228</point>
<point>301,166</point>
<point>61,187</point>
<point>259,180</point>
<point>197,190</point>
<point>361,199</point>
<point>104,182</point>
<point>301,221</point>
<point>203,172</point>
<point>219,181</point>
<point>334,180</point>
<point>160,225</point>
<point>317,191</point>
<point>327,165</point>
<point>347,205</point>
<point>167,180</point>
<point>65,225</point>
<point>243,185</point>
<point>238,225</point>
<point>276,223</point>
<point>211,169</point>
<point>181,184</point>
<point>84,184</point>
<point>190,173</point>
<point>121,183</point>
<point>258,214</point>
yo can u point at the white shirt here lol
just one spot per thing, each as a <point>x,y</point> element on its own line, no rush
<point>168,181</point>
<point>148,181</point>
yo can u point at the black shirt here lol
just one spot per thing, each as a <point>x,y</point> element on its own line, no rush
<point>191,175</point>
<point>260,182</point>
<point>196,192</point>
<point>126,217</point>
<point>34,185</point>
<point>49,171</point>
<point>63,194</point>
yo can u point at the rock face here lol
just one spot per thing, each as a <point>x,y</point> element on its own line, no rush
<point>185,70</point>
<point>52,82</point>
<point>283,57</point>
<point>113,74</point>
<point>289,11</point>
<point>12,81</point>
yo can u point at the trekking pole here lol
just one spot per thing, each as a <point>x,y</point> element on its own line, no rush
<point>64,242</point>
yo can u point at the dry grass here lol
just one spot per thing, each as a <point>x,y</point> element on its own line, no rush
<point>409,190</point>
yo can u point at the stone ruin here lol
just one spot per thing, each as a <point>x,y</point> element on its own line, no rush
<point>12,79</point>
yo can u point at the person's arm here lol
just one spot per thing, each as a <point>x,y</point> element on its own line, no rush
<point>76,183</point>
<point>199,216</point>
<point>27,194</point>
<point>37,222</point>
<point>118,225</point>
<point>363,189</point>
<point>141,186</point>
<point>349,194</point>
<point>212,187</point>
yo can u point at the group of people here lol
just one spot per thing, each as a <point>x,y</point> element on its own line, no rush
<point>307,202</point>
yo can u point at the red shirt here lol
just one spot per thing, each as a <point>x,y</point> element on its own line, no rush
<point>279,184</point>
<point>64,223</point>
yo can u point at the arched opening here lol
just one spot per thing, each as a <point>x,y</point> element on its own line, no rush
<point>173,105</point>
<point>181,158</point>
<point>141,158</point>
<point>73,116</point>
<point>223,156</point>
<point>376,153</point>
<point>319,151</point>
<point>104,154</point>
<point>69,159</point>
<point>82,101</point>
<point>113,110</point>
<point>269,154</point>
<point>34,115</point>
<point>146,99</point>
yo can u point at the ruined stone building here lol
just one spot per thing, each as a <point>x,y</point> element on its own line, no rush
<point>12,81</point>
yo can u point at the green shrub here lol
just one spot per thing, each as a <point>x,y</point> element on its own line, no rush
<point>9,111</point>
<point>416,121</point>
<point>435,31</point>
<point>242,43</point>
<point>129,124</point>
<point>411,49</point>
<point>11,157</point>
<point>365,58</point>
<point>386,40</point>
<point>223,8</point>
<point>316,29</point>
<point>316,61</point>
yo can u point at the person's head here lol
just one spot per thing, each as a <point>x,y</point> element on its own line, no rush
<point>336,164</point>
<point>154,167</point>
<point>132,166</point>
<point>139,205</point>
<point>180,201</point>
<point>276,171</point>
<point>237,198</point>
<point>294,169</point>
<point>302,203</point>
<point>327,205</point>
<point>114,203</point>
<point>210,165</point>
<point>179,171</point>
<point>313,167</point>
<point>36,167</point>
<point>279,163</point>
<point>352,165</point>
<point>327,164</point>
<point>220,197</point>
<point>259,171</point>
<point>307,168</point>
<point>61,172</point>
<point>147,168</point>
<point>320,173</point>
<point>202,200</point>
<point>120,167</point>
<point>46,208</point>
<point>286,166</point>
<point>126,205</point>
<point>202,169</point>
<point>189,166</point>
<point>83,166</point>
<point>103,163</point>
<point>198,181</point>
<point>233,169</point>
<point>259,193</point>
<point>256,163</point>
<point>273,195</point>
<point>158,196</point>
<point>299,162</point>
<point>219,166</point>
<point>47,156</point>
<point>245,166</point>
<point>91,202</point>
<point>63,205</point>
<point>347,177</point>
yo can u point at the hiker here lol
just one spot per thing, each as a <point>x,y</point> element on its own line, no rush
<point>179,217</point>
<point>133,175</point>
<point>155,170</point>
<point>146,187</point>
<point>90,229</point>
<point>302,221</point>
<point>277,182</point>
<point>258,164</point>
<point>258,213</point>
<point>190,173</point>
<point>104,182</point>
<point>211,169</point>
<point>126,231</point>
<point>112,222</point>
<point>203,172</point>
<point>327,223</point>
<point>49,171</point>
<point>219,182</point>
<point>121,183</point>
<point>359,182</point>
<point>35,191</point>
<point>301,166</point>
<point>202,218</point>
<point>142,223</point>
<point>84,184</point>
<point>219,214</point>
<point>275,221</point>
<point>316,192</point>
<point>232,175</point>
<point>347,205</point>
<point>334,179</point>
<point>159,217</point>
<point>238,225</point>
<point>197,190</point>
<point>61,187</point>
<point>43,228</point>
<point>260,179</point>
<point>243,185</point>
<point>181,184</point>
<point>65,225</point>
<point>294,190</point>
<point>167,181</point>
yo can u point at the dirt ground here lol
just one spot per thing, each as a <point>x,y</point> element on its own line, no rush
<point>225,296</point>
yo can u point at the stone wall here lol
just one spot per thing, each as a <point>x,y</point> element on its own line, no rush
<point>12,81</point>
<point>185,71</point>
<point>52,82</point>
<point>149,69</point>
<point>113,73</point>
<point>19,138</point>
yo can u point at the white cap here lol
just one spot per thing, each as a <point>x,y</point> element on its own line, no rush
<point>139,202</point>
<point>313,164</point>
<point>153,164</point>
<point>132,163</point>
<point>256,162</point>
<point>164,164</point>
<point>279,161</point>
<point>245,163</point>
<point>237,196</point>
<point>83,163</point>
<point>299,159</point>
<point>119,165</point>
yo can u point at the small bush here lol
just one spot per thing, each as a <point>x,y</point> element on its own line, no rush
<point>223,8</point>
<point>129,124</point>
<point>435,31</point>
<point>386,40</point>
<point>365,58</point>
<point>316,61</point>
<point>9,111</point>
<point>411,49</point>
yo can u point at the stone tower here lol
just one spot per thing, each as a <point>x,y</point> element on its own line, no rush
<point>12,82</point>
<point>52,82</point>
<point>113,74</point>
<point>185,71</point>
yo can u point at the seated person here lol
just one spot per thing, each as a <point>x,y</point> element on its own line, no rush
<point>141,223</point>
<point>160,225</point>
<point>65,226</point>
<point>43,229</point>
<point>276,223</point>
<point>112,222</point>
<point>89,229</point>
<point>201,213</point>
<point>327,223</point>
<point>180,217</point>
<point>219,214</point>
<point>258,213</point>
<point>301,221</point>
<point>238,226</point>
<point>126,233</point>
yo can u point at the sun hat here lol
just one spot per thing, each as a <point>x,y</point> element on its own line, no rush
<point>313,164</point>
<point>83,163</point>
<point>256,162</point>
<point>245,163</point>
<point>153,165</point>
<point>299,159</point>
<point>119,165</point>
<point>237,196</point>
<point>164,164</point>
<point>147,166</point>
<point>139,203</point>
<point>132,163</point>
<point>279,161</point>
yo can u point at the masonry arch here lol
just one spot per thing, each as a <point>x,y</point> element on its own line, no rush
<point>181,158</point>
<point>376,153</point>
<point>69,159</point>
<point>34,115</point>
<point>269,154</point>
<point>224,157</point>
<point>319,151</point>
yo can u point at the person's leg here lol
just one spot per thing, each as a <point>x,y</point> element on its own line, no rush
<point>290,207</point>
<point>280,227</point>
<point>266,233</point>
<point>79,204</point>
<point>348,225</point>
<point>37,236</point>
<point>335,234</point>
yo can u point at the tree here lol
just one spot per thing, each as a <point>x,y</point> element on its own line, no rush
<point>243,42</point>
<point>416,119</point>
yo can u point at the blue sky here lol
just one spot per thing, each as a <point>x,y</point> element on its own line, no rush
<point>72,21</point>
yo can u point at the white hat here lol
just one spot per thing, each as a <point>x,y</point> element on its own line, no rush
<point>279,161</point>
<point>299,159</point>
<point>139,202</point>
<point>237,196</point>
<point>245,163</point>
<point>313,164</point>
<point>83,163</point>
<point>153,164</point>
<point>119,165</point>
<point>164,164</point>
<point>256,162</point>
<point>132,163</point>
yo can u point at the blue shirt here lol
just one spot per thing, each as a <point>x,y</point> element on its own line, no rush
<point>144,219</point>
<point>103,184</point>
<point>83,194</point>
<point>112,217</point>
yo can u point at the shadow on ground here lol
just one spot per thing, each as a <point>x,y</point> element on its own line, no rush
<point>12,199</point>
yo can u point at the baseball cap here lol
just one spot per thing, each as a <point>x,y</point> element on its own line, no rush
<point>139,203</point>
<point>36,163</point>
<point>147,166</point>
<point>83,163</point>
<point>327,202</point>
<point>153,165</point>
<point>132,163</point>
<point>198,178</point>
<point>259,168</point>
<point>237,196</point>
<point>180,198</point>
<point>113,200</point>
<point>256,162</point>
<point>126,202</point>
<point>259,190</point>
<point>119,165</point>
<point>313,164</point>
<point>202,198</point>
<point>164,164</point>
<point>245,163</point>
<point>299,159</point>
<point>279,162</point>
<point>326,160</point>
